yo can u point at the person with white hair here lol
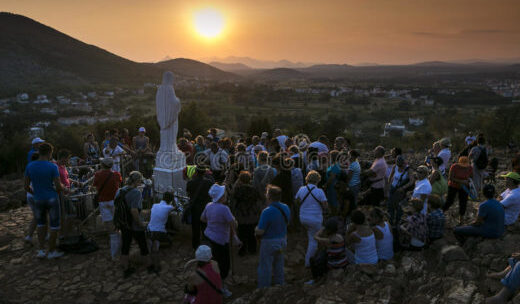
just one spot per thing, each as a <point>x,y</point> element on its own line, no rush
<point>445,154</point>
<point>35,145</point>
<point>221,226</point>
<point>204,284</point>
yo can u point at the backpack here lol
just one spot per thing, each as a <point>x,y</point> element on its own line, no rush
<point>482,160</point>
<point>122,214</point>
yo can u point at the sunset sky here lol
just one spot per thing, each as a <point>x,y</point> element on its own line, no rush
<point>337,31</point>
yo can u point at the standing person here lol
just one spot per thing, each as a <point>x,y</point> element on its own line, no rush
<point>490,218</point>
<point>284,178</point>
<point>246,206</point>
<point>383,233</point>
<point>437,180</point>
<point>107,183</point>
<point>106,141</point>
<point>272,230</point>
<point>199,144</point>
<point>277,134</point>
<point>459,176</point>
<point>320,144</point>
<point>333,174</point>
<point>135,229</point>
<point>376,175</point>
<point>187,148</point>
<point>354,176</point>
<point>423,188</point>
<point>114,151</point>
<point>42,180</point>
<point>221,226</point>
<point>263,174</point>
<point>400,181</point>
<point>197,189</point>
<point>218,159</point>
<point>511,201</point>
<point>36,143</point>
<point>141,146</point>
<point>445,154</point>
<point>156,228</point>
<point>479,161</point>
<point>30,202</point>
<point>91,149</point>
<point>312,201</point>
<point>469,139</point>
<point>204,284</point>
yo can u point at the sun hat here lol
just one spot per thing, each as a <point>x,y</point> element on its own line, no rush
<point>512,175</point>
<point>142,129</point>
<point>107,161</point>
<point>445,142</point>
<point>216,192</point>
<point>37,140</point>
<point>203,254</point>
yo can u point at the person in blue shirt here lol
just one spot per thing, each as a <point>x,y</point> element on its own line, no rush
<point>490,220</point>
<point>332,175</point>
<point>272,229</point>
<point>35,145</point>
<point>42,180</point>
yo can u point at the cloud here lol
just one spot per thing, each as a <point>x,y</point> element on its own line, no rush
<point>464,33</point>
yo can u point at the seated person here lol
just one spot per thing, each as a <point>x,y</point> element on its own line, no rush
<point>490,218</point>
<point>413,232</point>
<point>383,232</point>
<point>334,256</point>
<point>435,218</point>
<point>362,239</point>
<point>511,201</point>
<point>510,280</point>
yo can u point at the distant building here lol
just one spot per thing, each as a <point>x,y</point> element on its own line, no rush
<point>429,102</point>
<point>394,129</point>
<point>92,94</point>
<point>36,132</point>
<point>48,111</point>
<point>416,121</point>
<point>109,94</point>
<point>41,99</point>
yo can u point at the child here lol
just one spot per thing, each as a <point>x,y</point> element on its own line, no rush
<point>383,232</point>
<point>435,218</point>
<point>157,227</point>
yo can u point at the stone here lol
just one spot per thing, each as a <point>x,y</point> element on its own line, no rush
<point>390,269</point>
<point>460,293</point>
<point>453,253</point>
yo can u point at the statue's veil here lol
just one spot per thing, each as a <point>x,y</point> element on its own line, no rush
<point>167,103</point>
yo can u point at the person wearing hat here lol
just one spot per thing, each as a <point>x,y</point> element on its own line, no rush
<point>490,218</point>
<point>221,226</point>
<point>107,183</point>
<point>35,145</point>
<point>133,198</point>
<point>198,288</point>
<point>459,176</point>
<point>423,188</point>
<point>445,154</point>
<point>511,201</point>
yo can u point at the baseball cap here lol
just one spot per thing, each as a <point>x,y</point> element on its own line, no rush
<point>37,140</point>
<point>142,129</point>
<point>512,175</point>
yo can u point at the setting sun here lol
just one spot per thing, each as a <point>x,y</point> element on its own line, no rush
<point>208,22</point>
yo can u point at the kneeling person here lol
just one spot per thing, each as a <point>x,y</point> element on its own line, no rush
<point>157,227</point>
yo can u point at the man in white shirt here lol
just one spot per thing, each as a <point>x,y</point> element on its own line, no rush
<point>217,160</point>
<point>511,202</point>
<point>423,188</point>
<point>321,144</point>
<point>157,227</point>
<point>114,151</point>
<point>445,154</point>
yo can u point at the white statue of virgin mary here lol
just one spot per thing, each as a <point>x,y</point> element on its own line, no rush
<point>168,107</point>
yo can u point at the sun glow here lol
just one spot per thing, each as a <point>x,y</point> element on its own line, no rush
<point>208,23</point>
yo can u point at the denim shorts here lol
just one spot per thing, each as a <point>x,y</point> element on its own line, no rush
<point>50,206</point>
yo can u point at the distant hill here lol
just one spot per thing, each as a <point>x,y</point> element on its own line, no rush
<point>279,74</point>
<point>230,67</point>
<point>260,64</point>
<point>193,68</point>
<point>33,56</point>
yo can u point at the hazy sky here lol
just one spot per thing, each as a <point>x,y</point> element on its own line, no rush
<point>336,31</point>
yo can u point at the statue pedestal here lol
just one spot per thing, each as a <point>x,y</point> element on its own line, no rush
<point>167,174</point>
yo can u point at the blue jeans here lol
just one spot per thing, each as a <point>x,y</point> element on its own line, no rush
<point>512,279</point>
<point>51,206</point>
<point>271,262</point>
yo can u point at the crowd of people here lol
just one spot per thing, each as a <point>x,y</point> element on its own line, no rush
<point>249,192</point>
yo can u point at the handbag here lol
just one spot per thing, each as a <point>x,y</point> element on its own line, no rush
<point>96,196</point>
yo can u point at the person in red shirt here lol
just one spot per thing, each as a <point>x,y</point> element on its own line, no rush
<point>107,182</point>
<point>187,148</point>
<point>458,179</point>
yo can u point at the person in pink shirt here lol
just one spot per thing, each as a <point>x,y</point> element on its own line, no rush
<point>376,175</point>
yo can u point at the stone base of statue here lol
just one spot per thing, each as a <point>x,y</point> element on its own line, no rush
<point>167,174</point>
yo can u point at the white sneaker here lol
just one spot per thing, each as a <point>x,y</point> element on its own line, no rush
<point>28,239</point>
<point>41,254</point>
<point>226,293</point>
<point>55,254</point>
